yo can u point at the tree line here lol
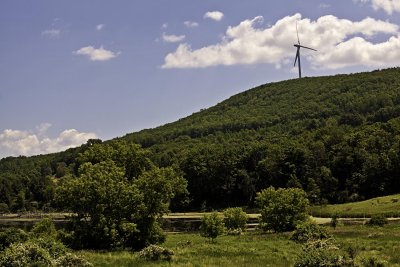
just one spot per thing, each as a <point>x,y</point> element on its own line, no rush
<point>336,137</point>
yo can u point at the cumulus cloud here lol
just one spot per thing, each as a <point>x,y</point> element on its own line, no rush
<point>27,143</point>
<point>389,6</point>
<point>172,38</point>
<point>190,24</point>
<point>164,26</point>
<point>100,27</point>
<point>52,33</point>
<point>96,54</point>
<point>214,15</point>
<point>339,42</point>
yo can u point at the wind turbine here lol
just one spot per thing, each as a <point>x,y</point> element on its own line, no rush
<point>298,45</point>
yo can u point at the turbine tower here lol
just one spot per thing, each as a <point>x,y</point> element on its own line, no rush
<point>298,45</point>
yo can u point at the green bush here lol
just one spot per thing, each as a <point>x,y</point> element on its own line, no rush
<point>72,260</point>
<point>117,198</point>
<point>309,231</point>
<point>235,218</point>
<point>282,209</point>
<point>44,228</point>
<point>25,254</point>
<point>323,257</point>
<point>377,220</point>
<point>212,225</point>
<point>154,253</point>
<point>12,235</point>
<point>55,248</point>
<point>323,252</point>
<point>334,221</point>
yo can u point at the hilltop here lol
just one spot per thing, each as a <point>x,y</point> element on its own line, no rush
<point>337,137</point>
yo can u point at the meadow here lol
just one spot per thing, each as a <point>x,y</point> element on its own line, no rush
<point>257,249</point>
<point>387,205</point>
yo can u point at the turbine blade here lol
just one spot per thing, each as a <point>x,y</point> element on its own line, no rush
<point>298,39</point>
<point>295,60</point>
<point>308,47</point>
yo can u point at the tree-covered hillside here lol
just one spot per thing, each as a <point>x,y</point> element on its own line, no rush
<point>337,137</point>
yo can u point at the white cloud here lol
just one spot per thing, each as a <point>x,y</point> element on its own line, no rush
<point>100,27</point>
<point>172,38</point>
<point>214,15</point>
<point>27,143</point>
<point>191,24</point>
<point>96,54</point>
<point>389,6</point>
<point>339,42</point>
<point>164,26</point>
<point>52,33</point>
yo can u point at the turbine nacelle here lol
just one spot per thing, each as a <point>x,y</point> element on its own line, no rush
<point>298,47</point>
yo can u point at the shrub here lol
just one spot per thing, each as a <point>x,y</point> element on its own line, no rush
<point>323,257</point>
<point>44,228</point>
<point>212,226</point>
<point>235,218</point>
<point>377,220</point>
<point>282,209</point>
<point>72,260</point>
<point>11,235</point>
<point>55,248</point>
<point>309,231</point>
<point>234,231</point>
<point>110,208</point>
<point>317,253</point>
<point>334,221</point>
<point>25,254</point>
<point>154,253</point>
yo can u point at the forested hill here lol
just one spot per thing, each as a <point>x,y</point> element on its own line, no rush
<point>288,108</point>
<point>337,137</point>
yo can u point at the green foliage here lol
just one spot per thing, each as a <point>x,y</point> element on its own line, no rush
<point>235,219</point>
<point>317,253</point>
<point>54,247</point>
<point>4,208</point>
<point>212,226</point>
<point>377,220</point>
<point>334,221</point>
<point>71,260</point>
<point>40,252</point>
<point>282,209</point>
<point>25,254</point>
<point>155,253</point>
<point>335,137</point>
<point>38,248</point>
<point>113,210</point>
<point>44,228</point>
<point>309,231</point>
<point>12,235</point>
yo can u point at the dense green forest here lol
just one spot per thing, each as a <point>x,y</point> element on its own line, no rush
<point>337,137</point>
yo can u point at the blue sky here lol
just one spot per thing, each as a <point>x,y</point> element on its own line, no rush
<point>73,70</point>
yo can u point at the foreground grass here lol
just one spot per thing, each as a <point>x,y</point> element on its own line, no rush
<point>367,241</point>
<point>256,249</point>
<point>250,249</point>
<point>388,205</point>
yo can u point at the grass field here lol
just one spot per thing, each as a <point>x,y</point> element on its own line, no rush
<point>388,205</point>
<point>256,249</point>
